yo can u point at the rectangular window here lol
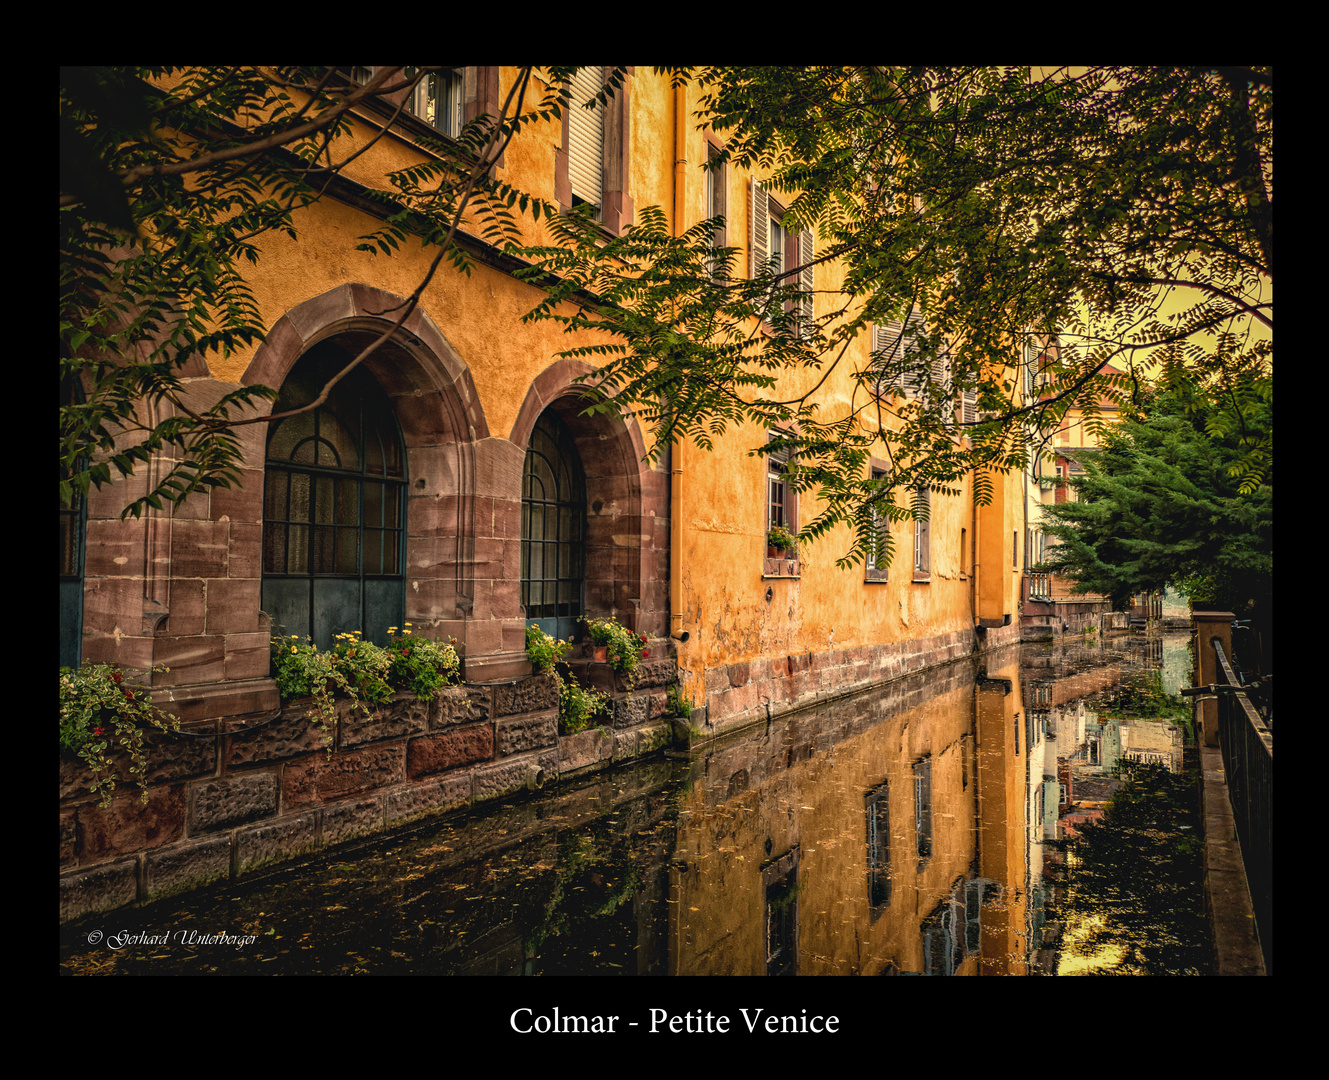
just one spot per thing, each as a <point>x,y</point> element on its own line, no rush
<point>923,534</point>
<point>876,564</point>
<point>782,511</point>
<point>586,132</point>
<point>779,880</point>
<point>780,501</point>
<point>437,100</point>
<point>923,806</point>
<point>715,180</point>
<point>878,811</point>
<point>779,249</point>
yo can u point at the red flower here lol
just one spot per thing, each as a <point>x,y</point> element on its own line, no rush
<point>115,676</point>
<point>645,653</point>
<point>98,731</point>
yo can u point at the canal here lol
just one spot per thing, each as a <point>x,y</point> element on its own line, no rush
<point>977,819</point>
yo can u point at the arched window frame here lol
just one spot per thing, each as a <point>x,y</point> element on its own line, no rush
<point>309,593</point>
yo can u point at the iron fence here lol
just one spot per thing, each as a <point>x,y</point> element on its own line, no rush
<point>1248,760</point>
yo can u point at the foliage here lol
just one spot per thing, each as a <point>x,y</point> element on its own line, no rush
<point>626,649</point>
<point>1000,209</point>
<point>364,666</point>
<point>171,180</point>
<point>365,673</point>
<point>995,210</point>
<point>579,708</point>
<point>678,703</point>
<point>544,651</point>
<point>1163,504</point>
<point>780,537</point>
<point>595,876</point>
<point>420,665</point>
<point>1136,879</point>
<point>100,707</point>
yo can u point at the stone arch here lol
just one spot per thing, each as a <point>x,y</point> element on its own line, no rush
<point>627,528</point>
<point>441,419</point>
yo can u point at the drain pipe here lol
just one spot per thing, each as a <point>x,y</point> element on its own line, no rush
<point>676,630</point>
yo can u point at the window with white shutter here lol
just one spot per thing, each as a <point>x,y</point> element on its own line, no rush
<point>781,249</point>
<point>586,132</point>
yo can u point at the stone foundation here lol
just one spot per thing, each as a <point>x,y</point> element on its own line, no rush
<point>741,694</point>
<point>228,797</point>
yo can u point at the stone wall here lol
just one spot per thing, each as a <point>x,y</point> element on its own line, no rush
<point>228,797</point>
<point>743,693</point>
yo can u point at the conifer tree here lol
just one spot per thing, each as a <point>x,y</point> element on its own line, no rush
<point>1162,505</point>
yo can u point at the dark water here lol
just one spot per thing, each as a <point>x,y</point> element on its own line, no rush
<point>916,829</point>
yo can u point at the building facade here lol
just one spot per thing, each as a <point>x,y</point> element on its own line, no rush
<point>454,482</point>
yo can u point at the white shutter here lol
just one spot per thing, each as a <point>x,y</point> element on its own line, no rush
<point>586,135</point>
<point>759,229</point>
<point>807,282</point>
<point>886,345</point>
<point>969,406</point>
<point>913,379</point>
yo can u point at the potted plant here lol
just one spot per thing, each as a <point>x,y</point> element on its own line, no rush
<point>602,635</point>
<point>780,541</point>
<point>614,643</point>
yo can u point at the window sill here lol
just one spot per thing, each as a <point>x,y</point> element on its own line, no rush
<point>875,577</point>
<point>781,568</point>
<point>922,579</point>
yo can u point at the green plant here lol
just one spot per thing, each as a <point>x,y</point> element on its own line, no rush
<point>782,538</point>
<point>420,665</point>
<point>544,651</point>
<point>302,671</point>
<point>626,649</point>
<point>364,666</point>
<point>99,707</point>
<point>366,673</point>
<point>578,707</point>
<point>679,704</point>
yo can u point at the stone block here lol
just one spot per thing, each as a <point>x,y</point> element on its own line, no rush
<point>102,889</point>
<point>353,819</point>
<point>630,711</point>
<point>413,801</point>
<point>231,800</point>
<point>656,670</point>
<point>528,731</point>
<point>292,733</point>
<point>404,715</point>
<point>199,549</point>
<point>430,754</point>
<point>186,866</point>
<point>585,749</point>
<point>318,778</point>
<point>263,845</point>
<point>129,826</point>
<point>233,606</point>
<point>536,694</point>
<point>68,837</point>
<point>515,774</point>
<point>461,705</point>
<point>248,656</point>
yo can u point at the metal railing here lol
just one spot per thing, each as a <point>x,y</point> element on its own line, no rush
<point>1248,761</point>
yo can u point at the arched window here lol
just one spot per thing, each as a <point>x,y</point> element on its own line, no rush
<point>553,529</point>
<point>334,507</point>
